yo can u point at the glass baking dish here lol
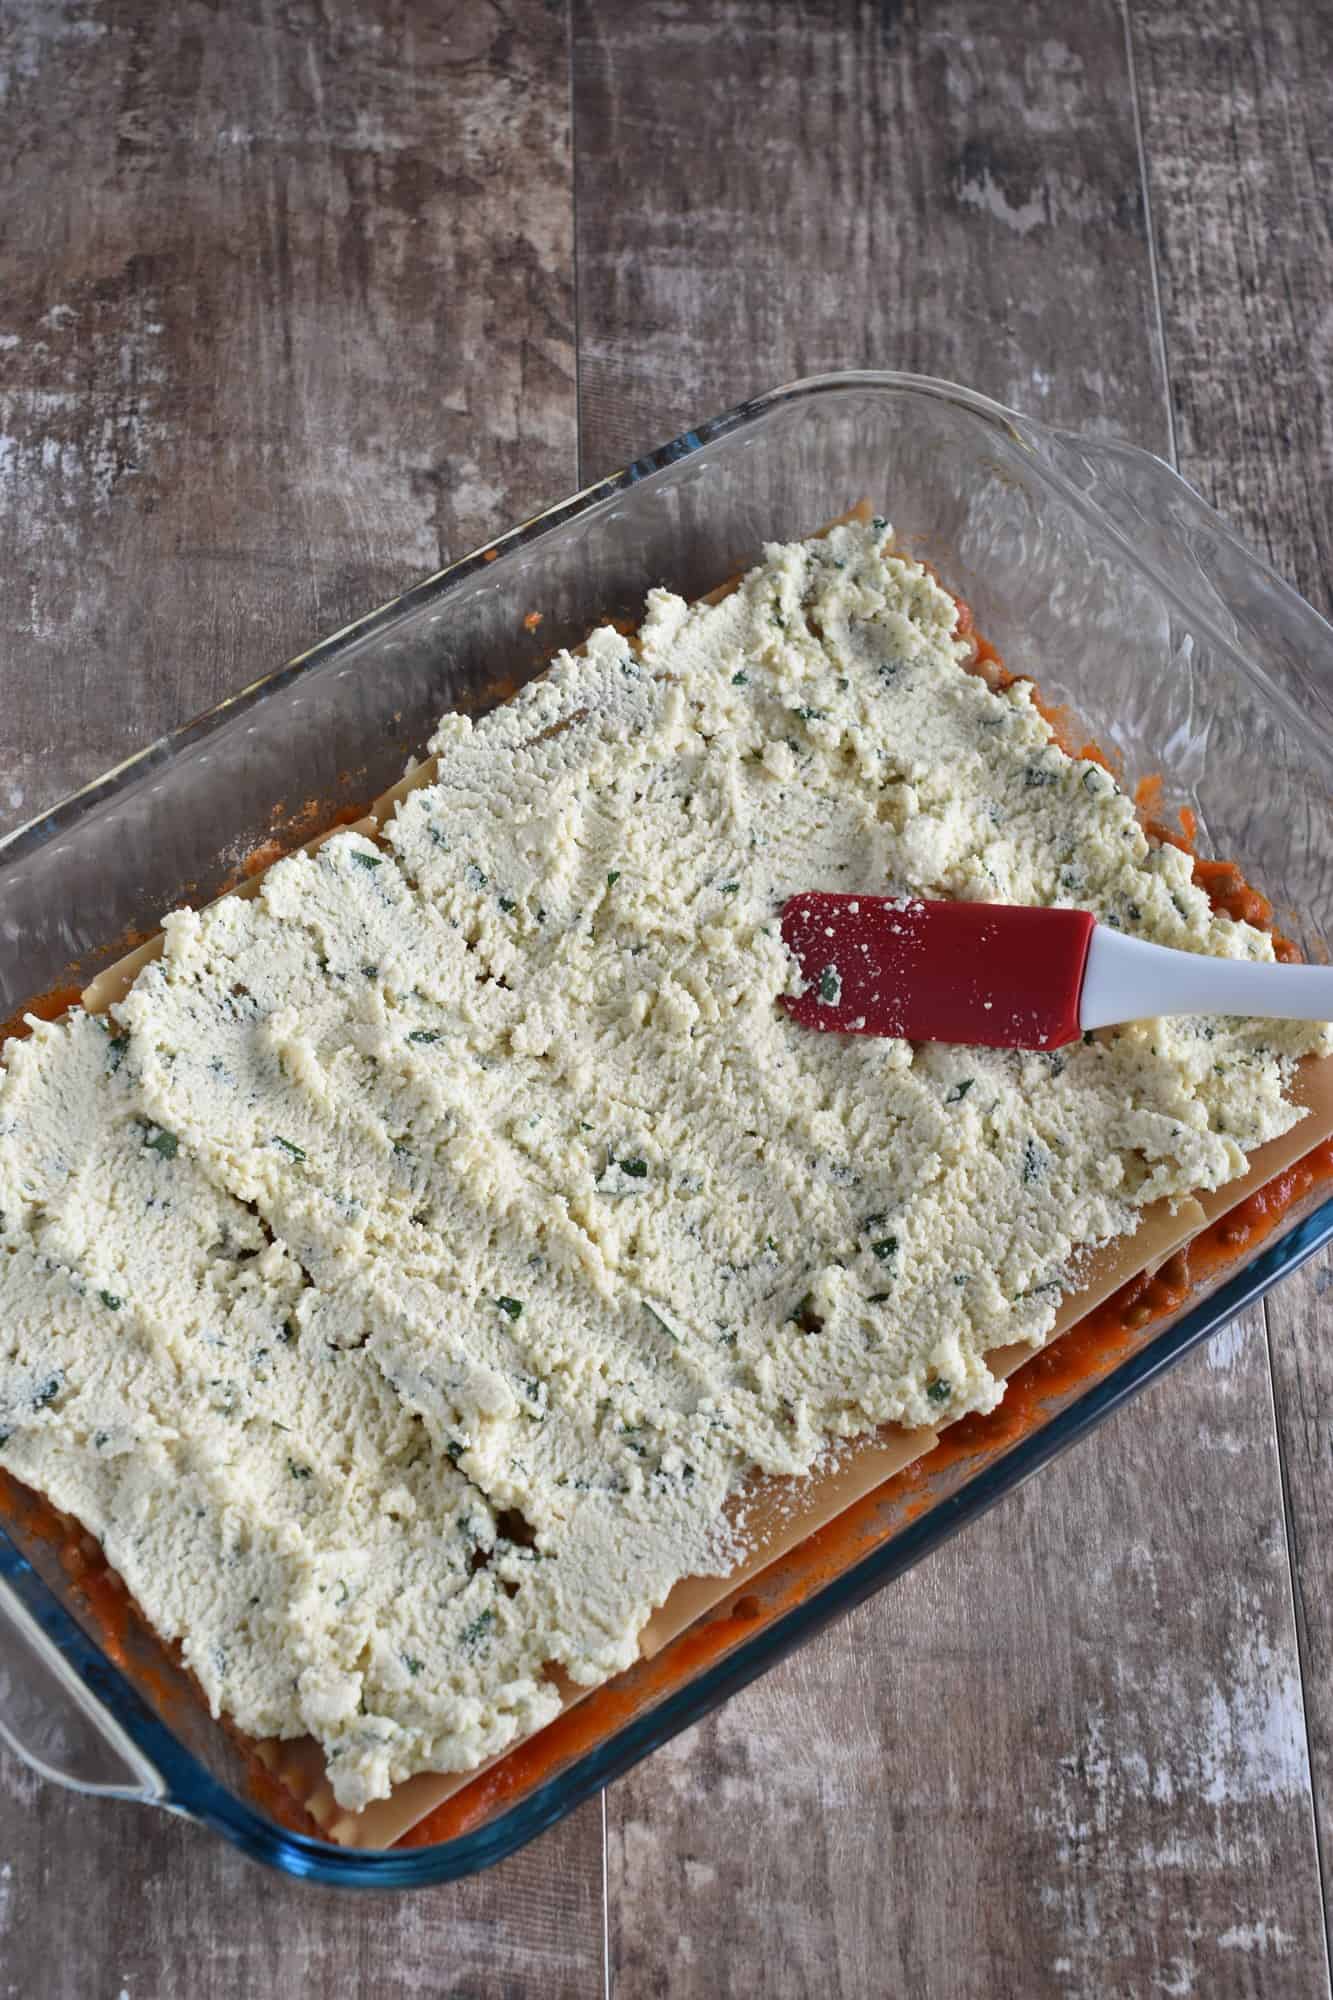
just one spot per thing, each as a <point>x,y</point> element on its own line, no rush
<point>1092,567</point>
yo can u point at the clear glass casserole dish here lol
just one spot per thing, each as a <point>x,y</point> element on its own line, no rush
<point>1092,567</point>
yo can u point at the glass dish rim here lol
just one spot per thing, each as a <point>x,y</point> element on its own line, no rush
<point>64,815</point>
<point>188,1788</point>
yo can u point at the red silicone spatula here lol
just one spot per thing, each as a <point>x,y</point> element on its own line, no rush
<point>1009,977</point>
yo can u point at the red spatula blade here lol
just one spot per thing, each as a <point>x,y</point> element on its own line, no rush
<point>998,974</point>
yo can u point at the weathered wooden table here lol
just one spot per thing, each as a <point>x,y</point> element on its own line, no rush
<point>296,301</point>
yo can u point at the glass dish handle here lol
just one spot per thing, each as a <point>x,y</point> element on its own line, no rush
<point>55,1723</point>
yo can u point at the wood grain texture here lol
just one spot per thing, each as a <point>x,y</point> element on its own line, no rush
<point>1237,104</point>
<point>99,1900</point>
<point>286,314</point>
<point>1068,1755</point>
<point>1302,1359</point>
<point>767,190</point>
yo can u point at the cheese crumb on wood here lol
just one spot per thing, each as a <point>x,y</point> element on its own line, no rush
<point>403,1277</point>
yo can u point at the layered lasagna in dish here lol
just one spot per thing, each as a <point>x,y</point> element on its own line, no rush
<point>404,1278</point>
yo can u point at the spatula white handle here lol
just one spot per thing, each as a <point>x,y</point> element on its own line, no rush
<point>1129,980</point>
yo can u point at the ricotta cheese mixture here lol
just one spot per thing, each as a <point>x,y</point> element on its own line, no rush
<point>402,1278</point>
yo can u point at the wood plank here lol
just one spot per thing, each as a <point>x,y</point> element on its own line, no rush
<point>1237,103</point>
<point>287,315</point>
<point>1067,1755</point>
<point>1238,110</point>
<point>1298,1315</point>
